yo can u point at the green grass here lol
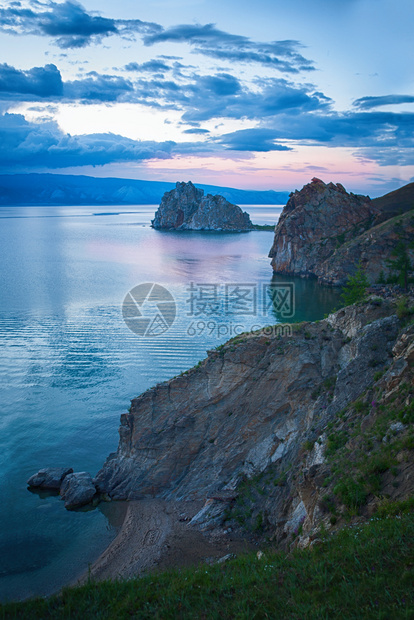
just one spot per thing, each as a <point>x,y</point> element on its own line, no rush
<point>358,460</point>
<point>362,572</point>
<point>270,227</point>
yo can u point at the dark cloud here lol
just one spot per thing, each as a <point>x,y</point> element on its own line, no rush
<point>215,43</point>
<point>385,138</point>
<point>195,34</point>
<point>46,83</point>
<point>95,87</point>
<point>24,144</point>
<point>68,23</point>
<point>273,55</point>
<point>72,26</point>
<point>365,103</point>
<point>197,130</point>
<point>273,96</point>
<point>221,84</point>
<point>152,66</point>
<point>38,82</point>
<point>222,95</point>
<point>257,140</point>
<point>383,129</point>
<point>164,57</point>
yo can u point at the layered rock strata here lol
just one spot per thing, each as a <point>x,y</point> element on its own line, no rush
<point>256,415</point>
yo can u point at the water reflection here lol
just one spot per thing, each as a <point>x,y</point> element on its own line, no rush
<point>69,365</point>
<point>312,301</point>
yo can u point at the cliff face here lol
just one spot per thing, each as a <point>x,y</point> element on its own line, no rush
<point>249,409</point>
<point>324,232</point>
<point>312,224</point>
<point>186,208</point>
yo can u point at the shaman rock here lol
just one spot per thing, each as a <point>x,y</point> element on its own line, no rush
<point>186,208</point>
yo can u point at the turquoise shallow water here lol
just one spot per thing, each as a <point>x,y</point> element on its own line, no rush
<point>69,365</point>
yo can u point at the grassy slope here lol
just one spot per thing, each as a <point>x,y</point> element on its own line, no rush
<point>366,571</point>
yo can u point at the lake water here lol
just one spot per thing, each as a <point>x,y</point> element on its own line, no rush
<point>69,365</point>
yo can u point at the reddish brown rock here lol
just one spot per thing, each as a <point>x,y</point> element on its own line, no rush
<point>314,223</point>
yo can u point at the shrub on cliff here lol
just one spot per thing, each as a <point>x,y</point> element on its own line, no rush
<point>355,288</point>
<point>401,264</point>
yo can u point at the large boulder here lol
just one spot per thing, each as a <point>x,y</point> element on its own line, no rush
<point>49,478</point>
<point>77,490</point>
<point>186,208</point>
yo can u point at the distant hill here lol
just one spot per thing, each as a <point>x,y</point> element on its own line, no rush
<point>397,202</point>
<point>62,189</point>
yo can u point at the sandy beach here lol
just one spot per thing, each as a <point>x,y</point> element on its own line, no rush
<point>157,535</point>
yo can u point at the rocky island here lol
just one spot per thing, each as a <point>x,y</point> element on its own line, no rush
<point>186,208</point>
<point>324,232</point>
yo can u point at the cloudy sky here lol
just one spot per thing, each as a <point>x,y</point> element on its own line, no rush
<point>259,95</point>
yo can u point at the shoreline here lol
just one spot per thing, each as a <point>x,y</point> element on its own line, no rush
<point>155,536</point>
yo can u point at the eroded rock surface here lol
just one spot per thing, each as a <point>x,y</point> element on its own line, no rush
<point>249,430</point>
<point>49,478</point>
<point>77,490</point>
<point>186,208</point>
<point>247,406</point>
<point>313,223</point>
<point>324,232</point>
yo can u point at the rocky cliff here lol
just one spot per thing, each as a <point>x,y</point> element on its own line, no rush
<point>186,208</point>
<point>252,428</point>
<point>315,221</point>
<point>324,232</point>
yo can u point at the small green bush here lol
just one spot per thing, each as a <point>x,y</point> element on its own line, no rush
<point>403,310</point>
<point>355,288</point>
<point>351,493</point>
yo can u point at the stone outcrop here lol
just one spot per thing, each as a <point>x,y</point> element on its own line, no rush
<point>324,232</point>
<point>77,490</point>
<point>186,208</point>
<point>257,414</point>
<point>49,478</point>
<point>314,223</point>
<point>247,406</point>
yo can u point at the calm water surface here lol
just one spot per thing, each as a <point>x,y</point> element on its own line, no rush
<point>69,365</point>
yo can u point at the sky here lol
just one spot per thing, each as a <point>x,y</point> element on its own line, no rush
<point>253,95</point>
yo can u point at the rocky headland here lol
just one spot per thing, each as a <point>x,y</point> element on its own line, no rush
<point>279,435</point>
<point>186,208</point>
<point>324,232</point>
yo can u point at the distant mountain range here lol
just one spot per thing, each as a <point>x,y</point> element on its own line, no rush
<point>62,189</point>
